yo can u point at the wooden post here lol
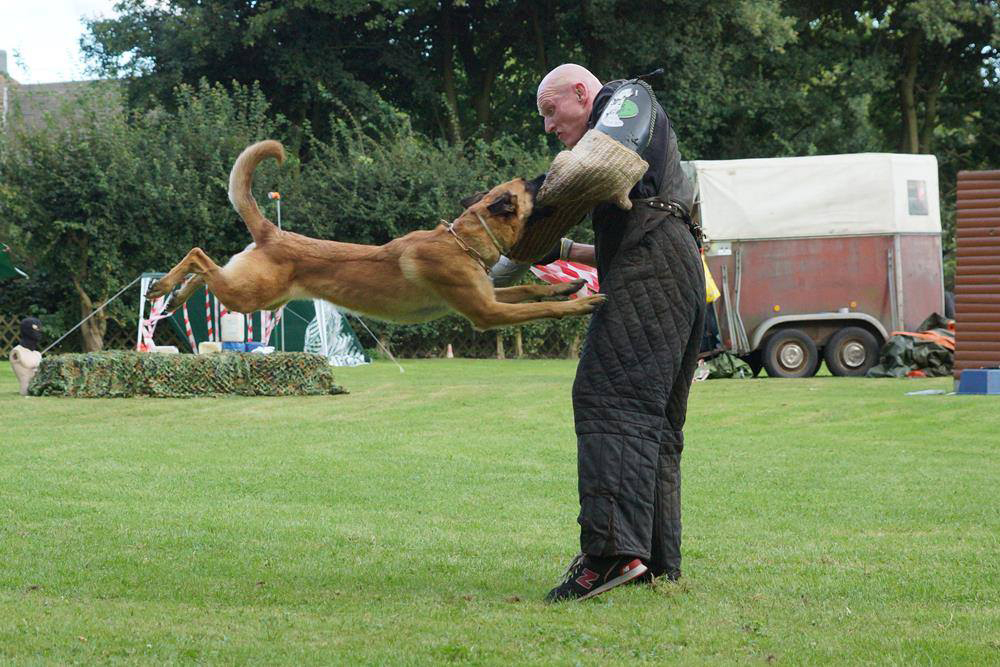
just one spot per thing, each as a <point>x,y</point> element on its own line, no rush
<point>574,347</point>
<point>518,343</point>
<point>500,353</point>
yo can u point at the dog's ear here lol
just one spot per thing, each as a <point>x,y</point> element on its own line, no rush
<point>466,202</point>
<point>503,205</point>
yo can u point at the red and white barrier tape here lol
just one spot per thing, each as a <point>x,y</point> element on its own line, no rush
<point>272,321</point>
<point>187,330</point>
<point>148,325</point>
<point>208,315</point>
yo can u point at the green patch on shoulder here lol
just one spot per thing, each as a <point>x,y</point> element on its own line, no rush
<point>628,110</point>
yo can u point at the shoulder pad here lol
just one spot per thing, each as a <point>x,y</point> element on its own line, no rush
<point>630,115</point>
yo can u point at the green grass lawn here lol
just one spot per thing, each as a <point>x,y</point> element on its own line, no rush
<point>421,519</point>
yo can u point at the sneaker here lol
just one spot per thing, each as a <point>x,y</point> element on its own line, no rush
<point>588,576</point>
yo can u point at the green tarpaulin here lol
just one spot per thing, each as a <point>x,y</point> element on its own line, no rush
<point>7,268</point>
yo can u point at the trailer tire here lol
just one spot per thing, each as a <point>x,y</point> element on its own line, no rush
<point>851,352</point>
<point>790,353</point>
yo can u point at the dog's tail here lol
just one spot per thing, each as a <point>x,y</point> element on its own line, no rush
<point>240,194</point>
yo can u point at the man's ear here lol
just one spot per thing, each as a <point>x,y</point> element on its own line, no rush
<point>466,202</point>
<point>503,205</point>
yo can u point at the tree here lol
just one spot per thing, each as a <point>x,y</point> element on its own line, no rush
<point>440,60</point>
<point>461,70</point>
<point>99,196</point>
<point>934,53</point>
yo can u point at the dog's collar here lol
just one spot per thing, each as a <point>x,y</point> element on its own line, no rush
<point>492,236</point>
<point>450,226</point>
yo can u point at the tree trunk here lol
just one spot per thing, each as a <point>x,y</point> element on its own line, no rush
<point>539,36</point>
<point>482,45</point>
<point>444,45</point>
<point>931,107</point>
<point>93,330</point>
<point>592,45</point>
<point>482,98</point>
<point>907,85</point>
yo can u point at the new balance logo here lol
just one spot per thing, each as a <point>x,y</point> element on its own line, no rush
<point>587,579</point>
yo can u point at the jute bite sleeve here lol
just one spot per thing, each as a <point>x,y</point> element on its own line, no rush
<point>598,169</point>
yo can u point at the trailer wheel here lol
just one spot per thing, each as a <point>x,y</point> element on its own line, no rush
<point>790,353</point>
<point>851,352</point>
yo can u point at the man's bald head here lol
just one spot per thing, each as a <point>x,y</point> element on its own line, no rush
<point>566,76</point>
<point>565,99</point>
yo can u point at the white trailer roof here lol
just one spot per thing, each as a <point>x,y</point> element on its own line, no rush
<point>825,195</point>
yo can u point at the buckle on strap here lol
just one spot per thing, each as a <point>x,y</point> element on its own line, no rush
<point>678,210</point>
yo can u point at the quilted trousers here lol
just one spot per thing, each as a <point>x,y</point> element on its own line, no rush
<point>631,391</point>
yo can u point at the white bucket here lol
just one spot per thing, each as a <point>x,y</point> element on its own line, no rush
<point>233,328</point>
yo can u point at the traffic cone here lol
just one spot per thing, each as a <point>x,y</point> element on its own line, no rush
<point>449,354</point>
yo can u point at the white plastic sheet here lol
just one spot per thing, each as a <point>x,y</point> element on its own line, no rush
<point>828,195</point>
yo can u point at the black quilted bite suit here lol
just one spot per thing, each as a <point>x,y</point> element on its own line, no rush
<point>637,364</point>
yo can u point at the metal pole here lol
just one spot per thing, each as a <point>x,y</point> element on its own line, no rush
<point>282,322</point>
<point>143,284</point>
<point>276,196</point>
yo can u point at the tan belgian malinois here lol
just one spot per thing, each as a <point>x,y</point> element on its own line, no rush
<point>415,278</point>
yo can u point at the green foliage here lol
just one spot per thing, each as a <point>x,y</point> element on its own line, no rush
<point>754,78</point>
<point>98,196</point>
<point>392,111</point>
<point>377,179</point>
<point>540,339</point>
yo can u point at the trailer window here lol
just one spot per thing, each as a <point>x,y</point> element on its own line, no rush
<point>917,195</point>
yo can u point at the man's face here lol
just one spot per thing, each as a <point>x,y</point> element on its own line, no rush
<point>565,110</point>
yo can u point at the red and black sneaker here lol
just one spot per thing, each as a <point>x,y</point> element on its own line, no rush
<point>588,576</point>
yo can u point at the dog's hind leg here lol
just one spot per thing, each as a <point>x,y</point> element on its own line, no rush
<point>187,289</point>
<point>164,285</point>
<point>197,262</point>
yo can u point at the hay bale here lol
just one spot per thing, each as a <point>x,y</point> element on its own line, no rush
<point>127,374</point>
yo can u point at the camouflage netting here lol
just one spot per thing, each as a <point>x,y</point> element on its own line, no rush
<point>126,374</point>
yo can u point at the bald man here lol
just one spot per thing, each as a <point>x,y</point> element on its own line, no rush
<point>638,359</point>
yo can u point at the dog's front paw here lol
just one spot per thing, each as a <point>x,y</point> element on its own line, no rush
<point>587,304</point>
<point>565,289</point>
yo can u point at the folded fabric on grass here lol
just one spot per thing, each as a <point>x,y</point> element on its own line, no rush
<point>928,352</point>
